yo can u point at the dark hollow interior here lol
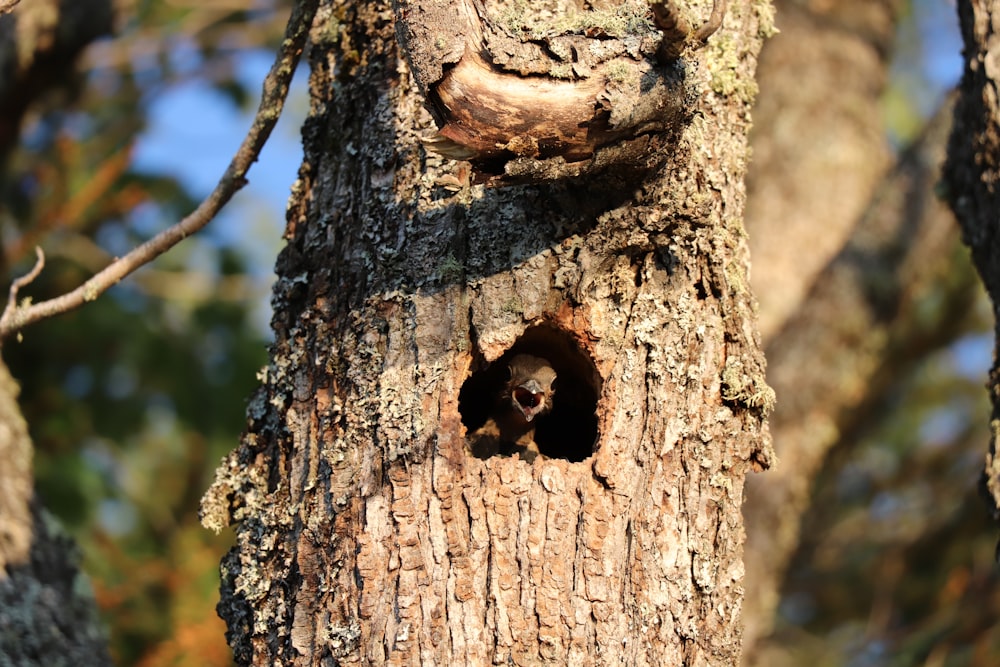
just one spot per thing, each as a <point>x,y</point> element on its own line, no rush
<point>569,431</point>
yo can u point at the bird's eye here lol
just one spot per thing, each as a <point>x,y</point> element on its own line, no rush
<point>526,398</point>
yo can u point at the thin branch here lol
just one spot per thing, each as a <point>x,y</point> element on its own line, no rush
<point>275,90</point>
<point>675,28</point>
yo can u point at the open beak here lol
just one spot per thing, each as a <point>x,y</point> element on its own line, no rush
<point>529,399</point>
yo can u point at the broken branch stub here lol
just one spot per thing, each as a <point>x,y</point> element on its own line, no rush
<point>531,90</point>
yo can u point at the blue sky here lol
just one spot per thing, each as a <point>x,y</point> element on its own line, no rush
<point>197,151</point>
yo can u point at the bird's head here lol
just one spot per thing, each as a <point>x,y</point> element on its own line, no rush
<point>532,383</point>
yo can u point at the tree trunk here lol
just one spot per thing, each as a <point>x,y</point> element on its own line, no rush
<point>971,175</point>
<point>368,531</point>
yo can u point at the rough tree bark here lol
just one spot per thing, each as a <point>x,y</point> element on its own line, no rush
<point>367,532</point>
<point>48,615</point>
<point>972,175</point>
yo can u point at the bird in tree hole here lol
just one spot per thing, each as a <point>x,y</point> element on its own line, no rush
<point>526,396</point>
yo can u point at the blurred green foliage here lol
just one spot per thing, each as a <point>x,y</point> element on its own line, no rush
<point>134,399</point>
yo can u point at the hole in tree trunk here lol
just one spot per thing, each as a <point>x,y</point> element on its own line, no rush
<point>512,406</point>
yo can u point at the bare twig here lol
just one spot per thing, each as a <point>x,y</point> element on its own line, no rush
<point>24,280</point>
<point>677,30</point>
<point>275,90</point>
<point>714,22</point>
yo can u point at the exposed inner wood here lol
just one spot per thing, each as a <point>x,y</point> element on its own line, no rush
<point>493,113</point>
<point>503,89</point>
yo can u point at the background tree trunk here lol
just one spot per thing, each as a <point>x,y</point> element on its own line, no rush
<point>47,610</point>
<point>819,152</point>
<point>819,145</point>
<point>858,329</point>
<point>367,532</point>
<point>844,250</point>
